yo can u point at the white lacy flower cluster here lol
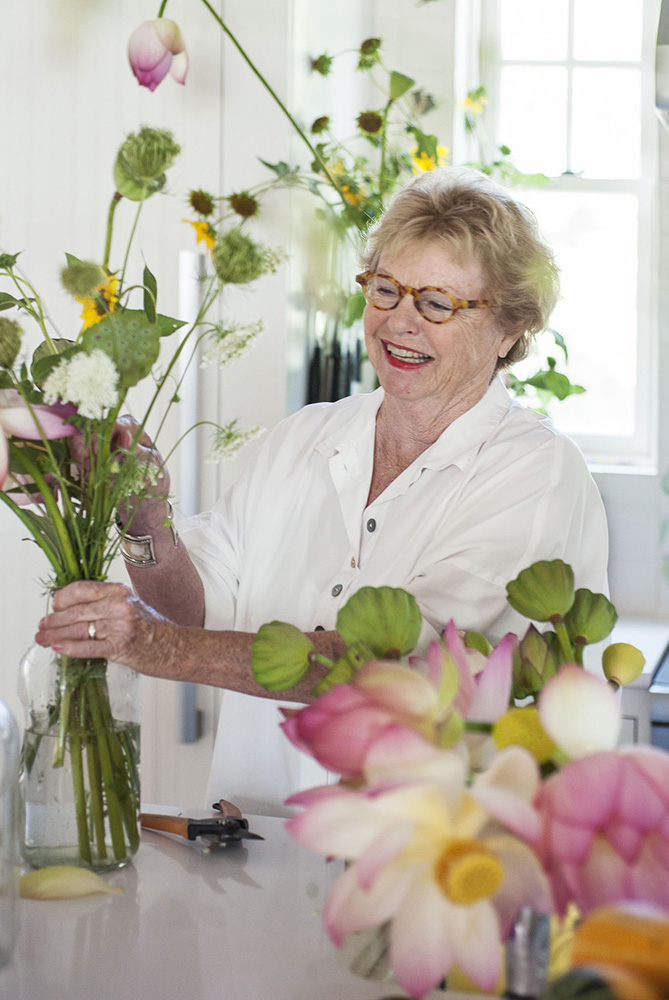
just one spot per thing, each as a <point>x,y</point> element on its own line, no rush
<point>90,381</point>
<point>229,439</point>
<point>229,343</point>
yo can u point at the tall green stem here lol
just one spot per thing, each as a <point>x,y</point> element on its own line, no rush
<point>110,227</point>
<point>275,97</point>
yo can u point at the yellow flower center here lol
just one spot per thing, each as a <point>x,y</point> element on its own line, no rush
<point>466,872</point>
<point>522,727</point>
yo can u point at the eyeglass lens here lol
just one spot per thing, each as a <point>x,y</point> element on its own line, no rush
<point>384,293</point>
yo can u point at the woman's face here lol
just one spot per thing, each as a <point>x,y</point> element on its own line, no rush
<point>447,364</point>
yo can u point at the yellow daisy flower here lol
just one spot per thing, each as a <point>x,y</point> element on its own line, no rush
<point>96,307</point>
<point>203,232</point>
<point>425,162</point>
<point>475,104</point>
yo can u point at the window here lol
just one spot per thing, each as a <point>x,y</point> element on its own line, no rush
<point>571,85</point>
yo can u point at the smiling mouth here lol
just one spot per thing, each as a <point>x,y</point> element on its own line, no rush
<point>406,355</point>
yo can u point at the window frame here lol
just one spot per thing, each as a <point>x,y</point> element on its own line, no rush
<point>640,448</point>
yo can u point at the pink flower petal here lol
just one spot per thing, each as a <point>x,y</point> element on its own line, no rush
<point>456,648</point>
<point>179,67</point>
<point>525,883</point>
<point>349,908</point>
<point>516,815</point>
<point>492,692</point>
<point>627,840</point>
<point>580,712</point>
<point>339,825</point>
<point>568,842</point>
<point>421,942</point>
<point>382,852</point>
<point>396,687</point>
<point>18,421</point>
<point>477,944</point>
<point>585,791</point>
<point>170,35</point>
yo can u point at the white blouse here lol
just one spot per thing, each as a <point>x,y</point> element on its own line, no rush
<point>293,539</point>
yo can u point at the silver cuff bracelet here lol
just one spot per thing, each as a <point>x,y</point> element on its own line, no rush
<point>138,550</point>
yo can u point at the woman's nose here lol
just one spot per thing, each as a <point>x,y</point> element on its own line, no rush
<point>405,315</point>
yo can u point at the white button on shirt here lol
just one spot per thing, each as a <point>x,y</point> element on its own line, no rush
<point>293,539</point>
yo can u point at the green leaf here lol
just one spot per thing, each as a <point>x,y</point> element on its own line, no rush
<point>399,84</point>
<point>7,260</point>
<point>281,169</point>
<point>133,189</point>
<point>280,656</point>
<point>387,619</point>
<point>8,301</point>
<point>167,325</point>
<point>44,360</point>
<point>150,295</point>
<point>559,340</point>
<point>355,307</point>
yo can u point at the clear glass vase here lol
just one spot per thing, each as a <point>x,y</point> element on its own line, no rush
<point>79,773</point>
<point>9,832</point>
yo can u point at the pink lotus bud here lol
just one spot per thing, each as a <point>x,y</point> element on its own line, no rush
<point>155,49</point>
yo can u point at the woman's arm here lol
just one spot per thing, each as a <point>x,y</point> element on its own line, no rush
<point>129,631</point>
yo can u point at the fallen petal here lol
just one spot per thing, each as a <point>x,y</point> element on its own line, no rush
<point>64,882</point>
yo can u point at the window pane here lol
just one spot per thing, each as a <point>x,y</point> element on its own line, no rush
<point>532,30</point>
<point>607,29</point>
<point>594,236</point>
<point>533,117</point>
<point>607,122</point>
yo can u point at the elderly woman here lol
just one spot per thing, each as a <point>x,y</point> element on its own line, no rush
<point>437,482</point>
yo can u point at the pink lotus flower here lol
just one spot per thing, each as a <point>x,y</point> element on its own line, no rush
<point>432,856</point>
<point>156,48</point>
<point>340,728</point>
<point>605,828</point>
<point>16,420</point>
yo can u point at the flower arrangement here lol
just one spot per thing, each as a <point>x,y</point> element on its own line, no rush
<point>64,473</point>
<point>353,178</point>
<point>476,782</point>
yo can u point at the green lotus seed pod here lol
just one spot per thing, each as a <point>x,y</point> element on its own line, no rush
<point>590,618</point>
<point>622,663</point>
<point>544,591</point>
<point>386,619</point>
<point>131,342</point>
<point>280,656</point>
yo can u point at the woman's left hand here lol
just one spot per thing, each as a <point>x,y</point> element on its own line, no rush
<point>91,619</point>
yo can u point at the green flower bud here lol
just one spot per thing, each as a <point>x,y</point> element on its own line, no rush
<point>81,278</point>
<point>622,663</point>
<point>533,664</point>
<point>238,259</point>
<point>142,160</point>
<point>322,64</point>
<point>370,122</point>
<point>244,204</point>
<point>543,591</point>
<point>590,618</point>
<point>280,656</point>
<point>201,202</point>
<point>368,53</point>
<point>10,341</point>
<point>386,619</point>
<point>320,124</point>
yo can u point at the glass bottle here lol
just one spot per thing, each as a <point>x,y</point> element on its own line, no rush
<point>9,835</point>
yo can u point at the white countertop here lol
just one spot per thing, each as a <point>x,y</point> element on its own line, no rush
<point>238,923</point>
